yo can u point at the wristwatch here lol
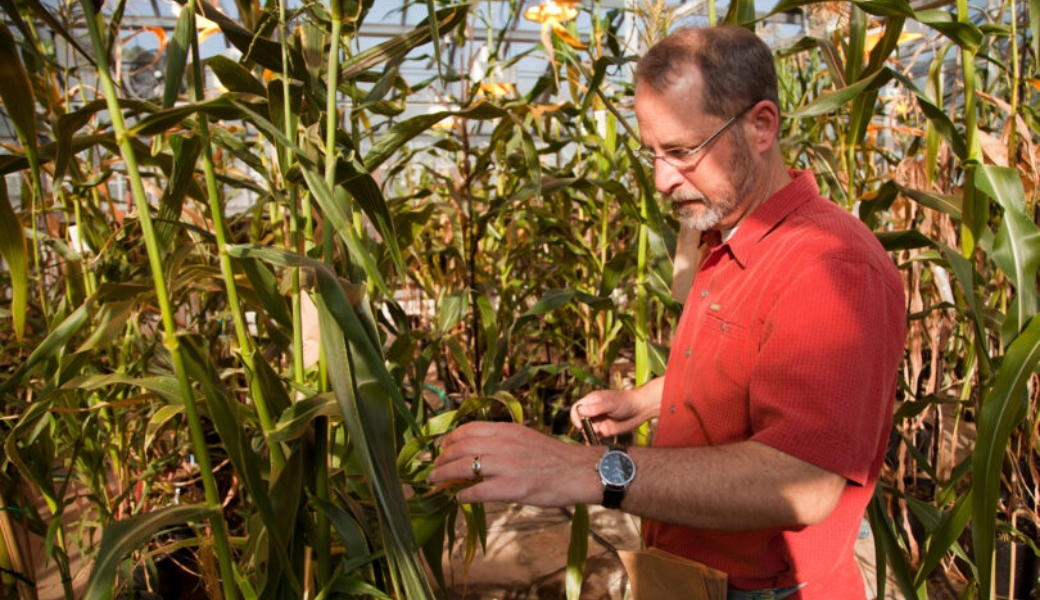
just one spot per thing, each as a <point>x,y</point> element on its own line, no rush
<point>616,472</point>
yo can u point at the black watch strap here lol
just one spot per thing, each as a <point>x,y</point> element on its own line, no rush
<point>612,496</point>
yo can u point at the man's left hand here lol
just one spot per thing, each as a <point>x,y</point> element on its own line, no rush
<point>513,463</point>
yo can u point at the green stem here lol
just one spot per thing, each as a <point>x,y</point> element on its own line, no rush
<point>245,343</point>
<point>191,411</point>
<point>321,438</point>
<point>642,351</point>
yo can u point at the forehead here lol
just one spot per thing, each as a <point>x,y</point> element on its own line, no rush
<point>671,117</point>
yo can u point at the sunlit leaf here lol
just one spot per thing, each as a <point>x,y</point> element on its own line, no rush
<point>177,56</point>
<point>577,551</point>
<point>14,251</point>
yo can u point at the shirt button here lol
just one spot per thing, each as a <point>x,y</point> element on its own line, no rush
<point>671,409</point>
<point>687,353</point>
<point>724,327</point>
<point>704,293</point>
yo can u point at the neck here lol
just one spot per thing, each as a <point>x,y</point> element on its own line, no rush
<point>772,178</point>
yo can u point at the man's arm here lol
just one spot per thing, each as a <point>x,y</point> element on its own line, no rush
<point>746,485</point>
<point>740,486</point>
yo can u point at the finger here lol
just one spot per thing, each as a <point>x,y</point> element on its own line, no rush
<point>476,430</point>
<point>586,407</point>
<point>463,461</point>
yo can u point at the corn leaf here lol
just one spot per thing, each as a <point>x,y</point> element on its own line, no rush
<point>963,33</point>
<point>17,93</point>
<point>177,56</point>
<point>226,415</point>
<point>14,251</point>
<point>577,551</point>
<point>1016,250</point>
<point>444,21</point>
<point>343,224</point>
<point>831,101</point>
<point>254,46</point>
<point>1003,408</point>
<point>888,550</point>
<point>185,154</point>
<point>944,536</point>
<point>401,133</point>
<point>123,537</point>
<point>52,346</point>
<point>364,402</point>
<point>235,77</point>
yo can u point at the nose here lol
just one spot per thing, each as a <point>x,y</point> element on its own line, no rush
<point>666,177</point>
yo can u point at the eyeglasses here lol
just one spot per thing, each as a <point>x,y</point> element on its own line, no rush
<point>682,157</point>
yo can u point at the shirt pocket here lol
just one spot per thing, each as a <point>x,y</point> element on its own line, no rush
<point>732,357</point>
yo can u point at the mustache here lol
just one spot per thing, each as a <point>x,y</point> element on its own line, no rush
<point>684,195</point>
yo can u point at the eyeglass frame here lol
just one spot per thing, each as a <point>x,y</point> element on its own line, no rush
<point>680,157</point>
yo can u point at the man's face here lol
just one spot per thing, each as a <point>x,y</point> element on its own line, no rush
<point>711,189</point>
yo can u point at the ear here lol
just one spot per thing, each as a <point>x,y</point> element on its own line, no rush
<point>764,119</point>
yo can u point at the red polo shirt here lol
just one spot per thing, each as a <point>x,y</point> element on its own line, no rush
<point>792,336</point>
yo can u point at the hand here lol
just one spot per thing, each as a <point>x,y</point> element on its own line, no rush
<point>518,464</point>
<point>618,411</point>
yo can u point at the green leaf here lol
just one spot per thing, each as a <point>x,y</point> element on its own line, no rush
<point>1016,250</point>
<point>446,20</point>
<point>886,8</point>
<point>185,154</point>
<point>888,549</point>
<point>265,286</point>
<point>16,91</point>
<point>944,537</point>
<point>964,33</point>
<point>577,551</point>
<point>52,346</point>
<point>1003,408</point>
<point>235,77</point>
<point>294,421</point>
<point>903,240</point>
<point>14,250</point>
<point>343,224</point>
<point>949,204</point>
<point>831,101</point>
<point>11,11</point>
<point>452,311</point>
<point>363,400</point>
<point>226,415</point>
<point>123,537</point>
<point>401,133</point>
<point>741,12</point>
<point>364,189</point>
<point>254,46</point>
<point>165,387</point>
<point>177,56</point>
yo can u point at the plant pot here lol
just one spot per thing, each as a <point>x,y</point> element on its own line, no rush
<point>1016,558</point>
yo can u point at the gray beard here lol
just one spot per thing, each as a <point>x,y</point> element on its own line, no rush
<point>708,214</point>
<point>703,216</point>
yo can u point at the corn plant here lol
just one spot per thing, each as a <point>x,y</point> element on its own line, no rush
<point>159,370</point>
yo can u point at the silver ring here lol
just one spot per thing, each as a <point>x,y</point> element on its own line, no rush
<point>476,467</point>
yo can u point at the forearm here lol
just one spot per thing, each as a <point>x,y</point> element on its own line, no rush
<point>740,486</point>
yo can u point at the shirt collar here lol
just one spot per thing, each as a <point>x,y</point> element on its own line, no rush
<point>775,209</point>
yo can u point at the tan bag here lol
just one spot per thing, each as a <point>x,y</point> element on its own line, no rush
<point>658,575</point>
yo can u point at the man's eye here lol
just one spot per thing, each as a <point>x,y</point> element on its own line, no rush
<point>679,153</point>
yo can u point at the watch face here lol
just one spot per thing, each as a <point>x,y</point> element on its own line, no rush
<point>616,468</point>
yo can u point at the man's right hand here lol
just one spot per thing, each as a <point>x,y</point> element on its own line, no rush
<point>615,412</point>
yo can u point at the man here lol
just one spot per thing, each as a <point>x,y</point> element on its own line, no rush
<point>775,408</point>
